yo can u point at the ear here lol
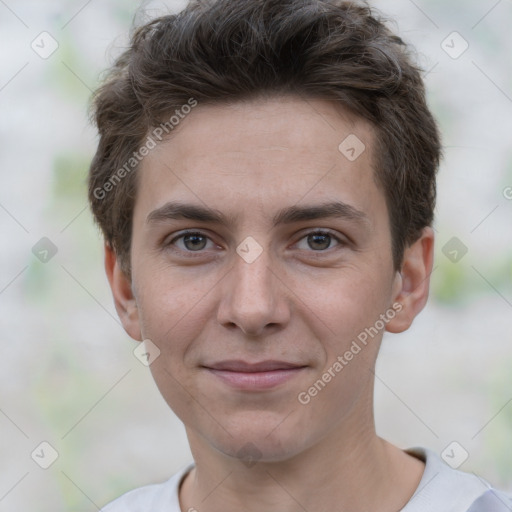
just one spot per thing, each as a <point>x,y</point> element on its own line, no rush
<point>124,299</point>
<point>412,283</point>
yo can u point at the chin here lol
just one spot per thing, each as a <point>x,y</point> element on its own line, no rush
<point>260,437</point>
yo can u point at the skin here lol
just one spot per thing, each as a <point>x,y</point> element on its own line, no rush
<point>301,301</point>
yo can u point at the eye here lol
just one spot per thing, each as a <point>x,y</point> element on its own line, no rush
<point>196,241</point>
<point>191,241</point>
<point>320,240</point>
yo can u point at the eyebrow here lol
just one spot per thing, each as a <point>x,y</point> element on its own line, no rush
<point>336,209</point>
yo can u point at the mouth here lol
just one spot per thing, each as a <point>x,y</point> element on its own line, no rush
<point>254,376</point>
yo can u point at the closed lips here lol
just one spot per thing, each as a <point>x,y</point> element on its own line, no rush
<point>245,367</point>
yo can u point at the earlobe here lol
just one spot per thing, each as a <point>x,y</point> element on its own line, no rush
<point>124,299</point>
<point>412,283</point>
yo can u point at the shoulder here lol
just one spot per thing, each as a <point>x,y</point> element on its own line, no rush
<point>445,488</point>
<point>492,501</point>
<point>162,497</point>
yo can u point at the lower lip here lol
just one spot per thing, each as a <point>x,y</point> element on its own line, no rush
<point>256,380</point>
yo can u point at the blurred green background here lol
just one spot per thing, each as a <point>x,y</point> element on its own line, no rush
<point>67,372</point>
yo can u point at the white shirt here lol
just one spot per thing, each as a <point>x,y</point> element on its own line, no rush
<point>441,489</point>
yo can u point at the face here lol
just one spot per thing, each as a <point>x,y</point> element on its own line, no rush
<point>261,256</point>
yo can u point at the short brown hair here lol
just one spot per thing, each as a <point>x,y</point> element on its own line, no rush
<point>220,51</point>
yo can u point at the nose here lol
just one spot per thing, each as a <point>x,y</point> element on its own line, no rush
<point>253,297</point>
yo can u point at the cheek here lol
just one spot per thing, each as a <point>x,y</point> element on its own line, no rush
<point>346,313</point>
<point>348,303</point>
<point>170,305</point>
<point>173,311</point>
<point>159,283</point>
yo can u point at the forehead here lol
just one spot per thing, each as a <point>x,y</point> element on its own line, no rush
<point>264,154</point>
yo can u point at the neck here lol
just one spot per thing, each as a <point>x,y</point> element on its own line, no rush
<point>352,470</point>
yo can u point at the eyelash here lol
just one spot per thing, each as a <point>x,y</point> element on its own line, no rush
<point>341,243</point>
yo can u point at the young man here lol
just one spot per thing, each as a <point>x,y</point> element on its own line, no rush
<point>265,182</point>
